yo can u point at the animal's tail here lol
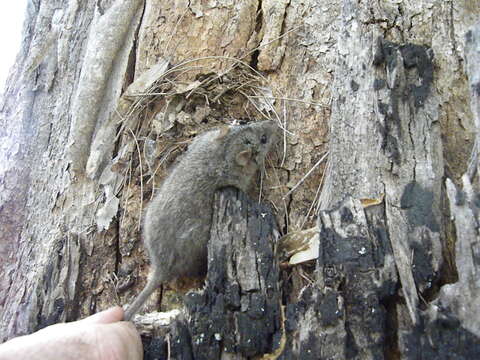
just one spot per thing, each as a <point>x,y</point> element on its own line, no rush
<point>153,283</point>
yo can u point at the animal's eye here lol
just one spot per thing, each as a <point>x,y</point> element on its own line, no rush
<point>263,139</point>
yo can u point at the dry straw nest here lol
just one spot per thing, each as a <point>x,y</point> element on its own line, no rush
<point>162,110</point>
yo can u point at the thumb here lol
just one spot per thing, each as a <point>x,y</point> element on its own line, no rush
<point>108,316</point>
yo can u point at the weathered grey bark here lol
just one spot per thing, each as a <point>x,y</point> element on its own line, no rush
<point>49,209</point>
<point>106,94</point>
<point>390,129</point>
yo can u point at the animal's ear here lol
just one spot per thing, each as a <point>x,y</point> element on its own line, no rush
<point>244,157</point>
<point>224,130</point>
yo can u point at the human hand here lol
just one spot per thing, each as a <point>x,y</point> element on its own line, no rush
<point>102,336</point>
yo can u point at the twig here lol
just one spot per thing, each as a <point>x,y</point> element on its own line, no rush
<point>141,177</point>
<point>292,99</point>
<point>175,28</point>
<point>315,198</point>
<point>307,174</point>
<point>284,134</point>
<point>168,347</point>
<point>128,192</point>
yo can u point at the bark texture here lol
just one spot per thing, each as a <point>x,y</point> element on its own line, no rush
<point>238,311</point>
<point>106,94</point>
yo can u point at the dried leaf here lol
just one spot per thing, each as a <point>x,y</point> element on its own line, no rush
<point>371,202</point>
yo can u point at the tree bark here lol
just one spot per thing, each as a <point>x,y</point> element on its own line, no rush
<point>238,311</point>
<point>106,94</point>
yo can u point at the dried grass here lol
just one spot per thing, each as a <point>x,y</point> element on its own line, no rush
<point>239,78</point>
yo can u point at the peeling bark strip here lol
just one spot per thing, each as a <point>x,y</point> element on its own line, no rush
<point>106,39</point>
<point>103,144</point>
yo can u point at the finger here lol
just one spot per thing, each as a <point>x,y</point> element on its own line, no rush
<point>136,350</point>
<point>108,316</point>
<point>122,341</point>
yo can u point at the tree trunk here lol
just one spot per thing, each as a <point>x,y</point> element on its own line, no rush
<point>106,94</point>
